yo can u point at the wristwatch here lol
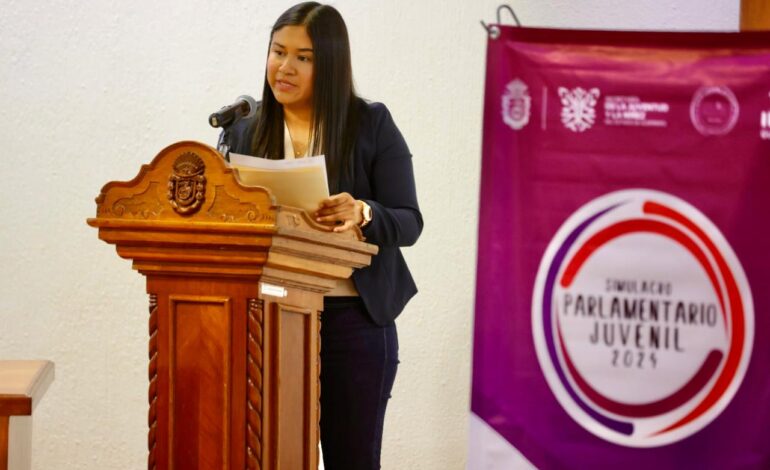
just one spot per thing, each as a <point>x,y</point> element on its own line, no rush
<point>366,212</point>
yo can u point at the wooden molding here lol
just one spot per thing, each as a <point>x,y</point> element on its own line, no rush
<point>22,385</point>
<point>153,193</point>
<point>228,230</point>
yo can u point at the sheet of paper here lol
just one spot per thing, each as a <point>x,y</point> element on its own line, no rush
<point>299,183</point>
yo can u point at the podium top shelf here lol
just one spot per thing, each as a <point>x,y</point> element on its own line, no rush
<point>22,385</point>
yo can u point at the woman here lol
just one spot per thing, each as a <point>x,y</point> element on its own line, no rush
<point>309,107</point>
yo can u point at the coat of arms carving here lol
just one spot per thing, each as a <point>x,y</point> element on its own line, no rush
<point>187,184</point>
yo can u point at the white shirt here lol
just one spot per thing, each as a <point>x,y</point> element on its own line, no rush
<point>288,145</point>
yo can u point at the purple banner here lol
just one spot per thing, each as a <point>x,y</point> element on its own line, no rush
<point>623,286</point>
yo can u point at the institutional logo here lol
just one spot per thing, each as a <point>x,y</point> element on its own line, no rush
<point>714,110</point>
<point>578,111</point>
<point>516,105</point>
<point>187,184</point>
<point>642,318</point>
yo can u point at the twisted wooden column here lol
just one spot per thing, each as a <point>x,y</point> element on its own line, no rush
<point>254,385</point>
<point>152,417</point>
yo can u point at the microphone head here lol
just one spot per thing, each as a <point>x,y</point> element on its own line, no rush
<point>252,105</point>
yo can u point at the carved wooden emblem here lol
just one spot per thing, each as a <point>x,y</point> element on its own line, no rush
<point>187,184</point>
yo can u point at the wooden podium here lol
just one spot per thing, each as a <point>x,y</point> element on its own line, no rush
<point>236,285</point>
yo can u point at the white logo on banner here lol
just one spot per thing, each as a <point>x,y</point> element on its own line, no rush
<point>578,111</point>
<point>714,110</point>
<point>643,318</point>
<point>516,105</point>
<point>764,123</point>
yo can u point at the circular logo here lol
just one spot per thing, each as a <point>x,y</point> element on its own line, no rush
<point>642,318</point>
<point>714,110</point>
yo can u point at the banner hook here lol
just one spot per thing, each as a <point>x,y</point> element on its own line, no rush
<point>494,30</point>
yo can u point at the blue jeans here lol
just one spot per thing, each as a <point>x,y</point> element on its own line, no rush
<point>358,366</point>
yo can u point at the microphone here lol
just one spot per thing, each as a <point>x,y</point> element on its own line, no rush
<point>244,106</point>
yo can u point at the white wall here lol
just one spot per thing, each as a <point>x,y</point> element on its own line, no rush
<point>90,90</point>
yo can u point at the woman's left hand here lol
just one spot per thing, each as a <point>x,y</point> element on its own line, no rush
<point>340,212</point>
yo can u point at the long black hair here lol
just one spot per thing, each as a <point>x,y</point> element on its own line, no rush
<point>335,104</point>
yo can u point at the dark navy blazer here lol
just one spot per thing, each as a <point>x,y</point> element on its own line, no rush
<point>384,178</point>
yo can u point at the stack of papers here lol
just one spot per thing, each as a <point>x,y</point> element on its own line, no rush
<point>298,183</point>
